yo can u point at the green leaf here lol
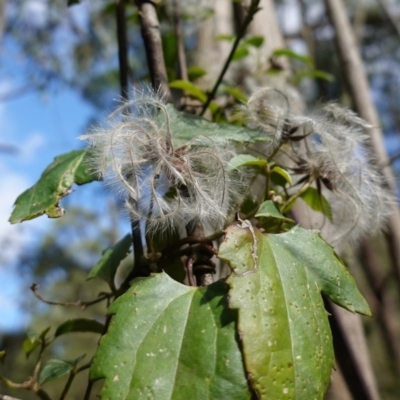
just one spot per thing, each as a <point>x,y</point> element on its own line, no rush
<point>245,160</point>
<point>270,210</point>
<point>236,93</point>
<point>255,41</point>
<point>2,356</point>
<point>275,285</point>
<point>293,55</point>
<point>314,73</point>
<point>79,325</point>
<point>54,184</point>
<point>195,72</point>
<point>241,52</point>
<point>317,202</point>
<point>108,264</point>
<point>167,341</point>
<point>53,369</point>
<point>189,87</point>
<point>186,127</point>
<point>280,176</point>
<point>33,341</point>
<point>228,38</point>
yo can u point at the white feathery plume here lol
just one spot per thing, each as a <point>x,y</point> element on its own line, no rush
<point>336,152</point>
<point>163,185</point>
<point>331,146</point>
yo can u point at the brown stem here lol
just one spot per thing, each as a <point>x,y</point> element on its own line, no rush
<point>189,271</point>
<point>79,303</point>
<point>153,45</point>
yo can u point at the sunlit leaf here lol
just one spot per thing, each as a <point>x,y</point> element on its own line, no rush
<point>280,176</point>
<point>79,325</point>
<point>189,87</point>
<point>170,341</point>
<point>54,184</point>
<point>33,340</point>
<point>188,126</point>
<point>240,52</point>
<point>255,41</point>
<point>53,369</point>
<point>317,202</point>
<point>293,55</point>
<point>236,93</point>
<point>275,286</point>
<point>108,264</point>
<point>195,72</point>
<point>228,38</point>
<point>270,210</point>
<point>246,160</point>
<point>314,73</point>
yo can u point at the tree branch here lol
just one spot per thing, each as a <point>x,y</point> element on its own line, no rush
<point>79,303</point>
<point>153,45</point>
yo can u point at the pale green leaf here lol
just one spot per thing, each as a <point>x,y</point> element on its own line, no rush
<point>314,73</point>
<point>33,340</point>
<point>236,93</point>
<point>187,127</point>
<point>170,341</point>
<point>189,87</point>
<point>240,53</point>
<point>275,285</point>
<point>195,72</point>
<point>270,210</point>
<point>246,160</point>
<point>293,55</point>
<point>255,41</point>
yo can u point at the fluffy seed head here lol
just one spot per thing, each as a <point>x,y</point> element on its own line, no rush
<point>330,145</point>
<point>164,184</point>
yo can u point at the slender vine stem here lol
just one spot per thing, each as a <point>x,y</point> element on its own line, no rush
<point>253,8</point>
<point>295,196</point>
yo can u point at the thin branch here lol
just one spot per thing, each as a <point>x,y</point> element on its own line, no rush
<point>79,303</point>
<point>153,45</point>
<point>253,8</point>
<point>122,49</point>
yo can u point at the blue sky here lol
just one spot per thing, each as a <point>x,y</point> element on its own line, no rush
<point>39,127</point>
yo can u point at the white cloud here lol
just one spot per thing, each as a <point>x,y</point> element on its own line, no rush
<point>29,149</point>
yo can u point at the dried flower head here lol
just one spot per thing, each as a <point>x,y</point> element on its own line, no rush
<point>330,148</point>
<point>164,184</point>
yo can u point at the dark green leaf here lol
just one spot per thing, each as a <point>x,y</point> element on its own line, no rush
<point>167,341</point>
<point>275,285</point>
<point>317,202</point>
<point>241,52</point>
<point>53,369</point>
<point>256,41</point>
<point>195,72</point>
<point>54,184</point>
<point>79,325</point>
<point>246,160</point>
<point>107,266</point>
<point>280,176</point>
<point>236,93</point>
<point>314,73</point>
<point>33,341</point>
<point>293,55</point>
<point>188,126</point>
